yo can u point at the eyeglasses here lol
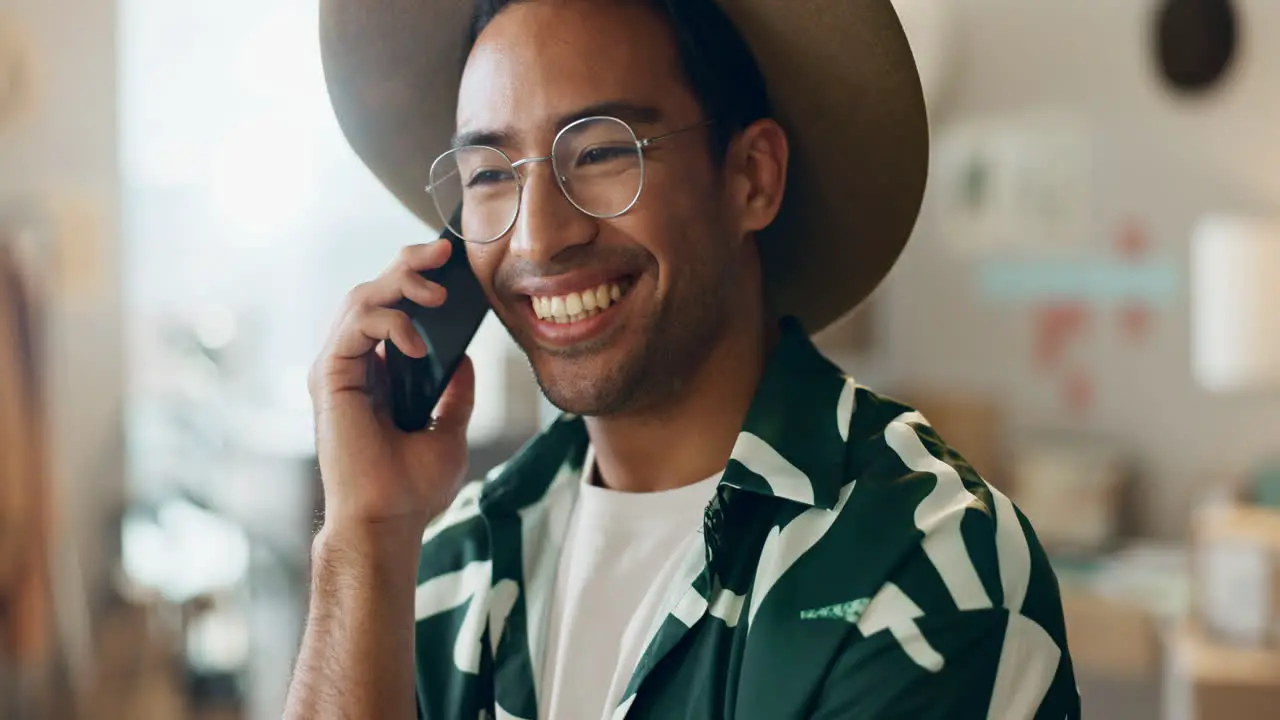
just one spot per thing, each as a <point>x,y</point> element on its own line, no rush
<point>598,163</point>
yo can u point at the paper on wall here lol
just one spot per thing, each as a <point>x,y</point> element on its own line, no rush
<point>1236,587</point>
<point>1020,183</point>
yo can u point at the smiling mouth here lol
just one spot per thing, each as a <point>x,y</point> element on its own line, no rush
<point>576,306</point>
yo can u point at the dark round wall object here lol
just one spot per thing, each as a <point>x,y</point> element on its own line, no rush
<point>1197,41</point>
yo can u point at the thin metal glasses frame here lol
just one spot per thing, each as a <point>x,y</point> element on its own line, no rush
<point>641,144</point>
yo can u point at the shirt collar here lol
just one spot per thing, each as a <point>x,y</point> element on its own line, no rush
<point>792,444</point>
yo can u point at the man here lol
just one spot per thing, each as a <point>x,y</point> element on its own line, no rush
<point>722,524</point>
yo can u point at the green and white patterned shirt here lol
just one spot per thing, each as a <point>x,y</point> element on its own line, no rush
<point>852,565</point>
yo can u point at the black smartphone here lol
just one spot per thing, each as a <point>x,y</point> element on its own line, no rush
<point>415,384</point>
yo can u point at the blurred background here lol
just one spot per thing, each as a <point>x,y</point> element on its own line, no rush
<point>1090,312</point>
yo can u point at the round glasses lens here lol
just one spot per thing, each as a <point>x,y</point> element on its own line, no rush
<point>482,179</point>
<point>599,165</point>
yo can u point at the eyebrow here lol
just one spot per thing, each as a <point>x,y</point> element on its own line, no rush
<point>629,112</point>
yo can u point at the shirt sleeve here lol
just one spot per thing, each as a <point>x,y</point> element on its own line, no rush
<point>989,663</point>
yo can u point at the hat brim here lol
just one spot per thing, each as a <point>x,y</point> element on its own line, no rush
<point>841,77</point>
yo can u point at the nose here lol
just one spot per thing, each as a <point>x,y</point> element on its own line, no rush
<point>547,222</point>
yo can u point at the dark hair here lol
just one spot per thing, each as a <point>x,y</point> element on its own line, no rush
<point>717,63</point>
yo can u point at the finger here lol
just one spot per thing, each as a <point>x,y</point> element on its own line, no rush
<point>453,410</point>
<point>394,284</point>
<point>422,291</point>
<point>366,327</point>
<point>420,257</point>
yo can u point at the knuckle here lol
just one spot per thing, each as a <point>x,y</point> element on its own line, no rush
<point>356,295</point>
<point>406,276</point>
<point>405,258</point>
<point>402,323</point>
<point>365,323</point>
<point>382,325</point>
<point>324,372</point>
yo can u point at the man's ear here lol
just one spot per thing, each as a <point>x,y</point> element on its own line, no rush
<point>758,162</point>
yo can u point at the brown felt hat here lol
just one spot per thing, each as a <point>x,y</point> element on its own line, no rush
<point>840,74</point>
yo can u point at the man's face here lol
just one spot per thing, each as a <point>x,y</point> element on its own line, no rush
<point>670,259</point>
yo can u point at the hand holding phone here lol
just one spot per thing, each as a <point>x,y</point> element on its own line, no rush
<point>415,384</point>
<point>381,472</point>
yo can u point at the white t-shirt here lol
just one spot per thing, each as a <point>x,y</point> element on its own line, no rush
<point>621,551</point>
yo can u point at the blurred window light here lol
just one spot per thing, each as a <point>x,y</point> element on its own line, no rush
<point>240,192</point>
<point>184,551</point>
<point>263,179</point>
<point>218,641</point>
<point>247,218</point>
<point>216,328</point>
<point>1235,295</point>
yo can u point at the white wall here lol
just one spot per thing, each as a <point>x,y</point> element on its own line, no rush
<point>69,150</point>
<point>1156,158</point>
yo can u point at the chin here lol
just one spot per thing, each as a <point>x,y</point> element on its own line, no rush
<point>598,377</point>
<point>584,386</point>
<point>630,367</point>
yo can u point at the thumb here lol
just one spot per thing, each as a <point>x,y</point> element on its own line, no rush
<point>453,411</point>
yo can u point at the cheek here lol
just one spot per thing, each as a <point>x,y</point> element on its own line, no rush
<point>485,260</point>
<point>677,227</point>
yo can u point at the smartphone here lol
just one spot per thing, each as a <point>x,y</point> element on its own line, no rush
<point>415,384</point>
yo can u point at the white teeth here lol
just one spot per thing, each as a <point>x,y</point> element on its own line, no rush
<point>577,306</point>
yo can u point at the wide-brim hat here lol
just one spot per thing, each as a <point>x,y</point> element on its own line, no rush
<point>840,74</point>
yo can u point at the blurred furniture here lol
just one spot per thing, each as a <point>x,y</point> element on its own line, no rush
<point>1110,637</point>
<point>46,644</point>
<point>1236,303</point>
<point>1119,608</point>
<point>1237,574</point>
<point>1221,659</point>
<point>1209,681</point>
<point>1091,475</point>
<point>139,671</point>
<point>26,598</point>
